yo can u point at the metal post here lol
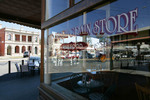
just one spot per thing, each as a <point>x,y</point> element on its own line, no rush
<point>111,56</point>
<point>121,63</point>
<point>9,67</point>
<point>22,62</point>
<point>127,64</point>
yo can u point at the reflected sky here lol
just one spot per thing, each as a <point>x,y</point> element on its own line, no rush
<point>97,45</point>
<point>113,9</point>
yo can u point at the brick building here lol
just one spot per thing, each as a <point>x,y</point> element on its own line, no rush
<point>14,42</point>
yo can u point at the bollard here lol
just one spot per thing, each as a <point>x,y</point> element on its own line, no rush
<point>9,67</point>
<point>22,62</point>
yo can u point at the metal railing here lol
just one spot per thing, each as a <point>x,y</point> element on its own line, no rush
<point>10,63</point>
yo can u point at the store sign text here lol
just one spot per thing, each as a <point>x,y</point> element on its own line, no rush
<point>73,46</point>
<point>124,22</point>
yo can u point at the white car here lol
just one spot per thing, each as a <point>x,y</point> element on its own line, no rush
<point>26,54</point>
<point>73,55</point>
<point>147,56</point>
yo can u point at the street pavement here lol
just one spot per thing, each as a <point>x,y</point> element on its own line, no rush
<point>13,87</point>
<point>4,64</point>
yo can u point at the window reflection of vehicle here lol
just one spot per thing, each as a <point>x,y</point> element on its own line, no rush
<point>88,55</point>
<point>71,55</point>
<point>146,55</point>
<point>122,54</point>
<point>63,56</point>
<point>117,56</point>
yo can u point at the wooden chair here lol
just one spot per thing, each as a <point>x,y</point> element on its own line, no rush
<point>18,69</point>
<point>109,78</point>
<point>35,68</point>
<point>24,69</point>
<point>147,82</point>
<point>143,92</point>
<point>103,96</point>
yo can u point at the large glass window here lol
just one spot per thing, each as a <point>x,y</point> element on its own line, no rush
<point>29,38</point>
<point>23,38</point>
<point>107,47</point>
<point>9,36</point>
<point>16,49</point>
<point>56,6</point>
<point>36,39</point>
<point>23,49</point>
<point>17,37</point>
<point>76,1</point>
<point>58,37</point>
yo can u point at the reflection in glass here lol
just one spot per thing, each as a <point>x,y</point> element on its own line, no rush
<point>54,7</point>
<point>100,45</point>
<point>98,39</point>
<point>76,1</point>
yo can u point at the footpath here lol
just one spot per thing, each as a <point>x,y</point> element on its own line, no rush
<point>4,64</point>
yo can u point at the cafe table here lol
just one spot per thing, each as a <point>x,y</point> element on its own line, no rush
<point>89,83</point>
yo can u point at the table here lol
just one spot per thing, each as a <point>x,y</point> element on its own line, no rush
<point>87,83</point>
<point>90,84</point>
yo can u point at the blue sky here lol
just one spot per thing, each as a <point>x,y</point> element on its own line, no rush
<point>17,26</point>
<point>115,8</point>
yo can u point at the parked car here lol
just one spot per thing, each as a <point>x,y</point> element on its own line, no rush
<point>73,55</point>
<point>124,56</point>
<point>88,55</point>
<point>117,56</point>
<point>26,54</point>
<point>146,55</point>
<point>34,61</point>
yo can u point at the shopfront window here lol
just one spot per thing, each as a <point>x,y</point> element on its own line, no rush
<point>54,7</point>
<point>60,38</point>
<point>111,40</point>
<point>76,1</point>
<point>9,36</point>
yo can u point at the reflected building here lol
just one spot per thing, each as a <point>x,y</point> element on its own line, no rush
<point>127,43</point>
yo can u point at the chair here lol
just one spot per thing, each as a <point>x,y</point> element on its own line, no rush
<point>109,78</point>
<point>24,69</point>
<point>147,82</point>
<point>103,96</point>
<point>143,92</point>
<point>35,67</point>
<point>18,69</point>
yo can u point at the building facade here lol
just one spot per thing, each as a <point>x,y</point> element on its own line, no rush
<point>14,42</point>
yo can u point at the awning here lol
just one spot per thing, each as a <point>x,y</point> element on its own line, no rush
<point>24,12</point>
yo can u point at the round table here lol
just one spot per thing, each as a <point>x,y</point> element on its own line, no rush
<point>90,84</point>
